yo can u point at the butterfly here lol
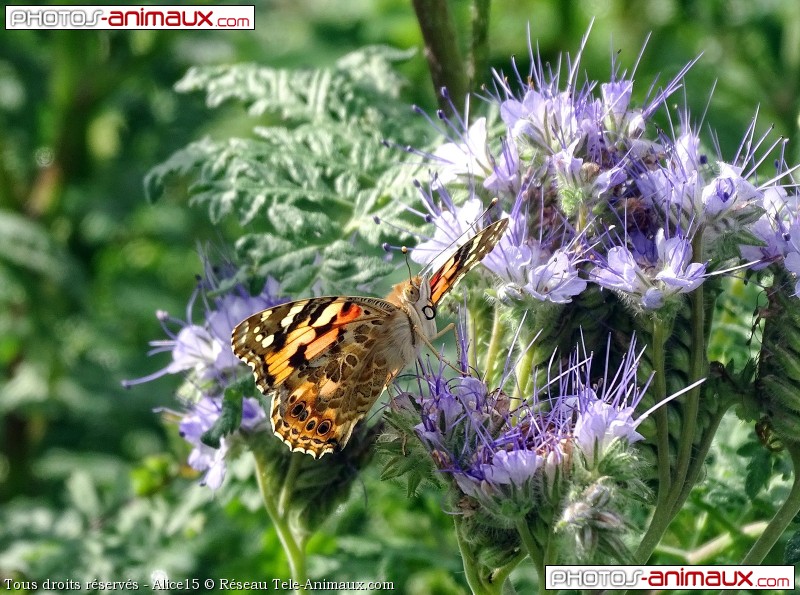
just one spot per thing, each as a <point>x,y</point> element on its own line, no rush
<point>326,360</point>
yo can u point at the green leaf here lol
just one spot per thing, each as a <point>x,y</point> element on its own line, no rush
<point>26,244</point>
<point>792,553</point>
<point>309,189</point>
<point>230,418</point>
<point>759,471</point>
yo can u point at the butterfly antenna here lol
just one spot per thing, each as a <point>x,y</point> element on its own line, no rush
<point>404,250</point>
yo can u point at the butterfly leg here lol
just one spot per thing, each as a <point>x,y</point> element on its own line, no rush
<point>427,342</point>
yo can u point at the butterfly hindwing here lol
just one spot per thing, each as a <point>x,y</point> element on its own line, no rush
<point>317,358</point>
<point>465,258</point>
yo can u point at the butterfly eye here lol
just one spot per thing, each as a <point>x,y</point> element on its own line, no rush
<point>412,293</point>
<point>429,311</point>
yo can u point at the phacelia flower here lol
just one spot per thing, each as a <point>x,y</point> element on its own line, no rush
<point>651,272</point>
<point>509,458</point>
<point>200,418</point>
<point>203,352</point>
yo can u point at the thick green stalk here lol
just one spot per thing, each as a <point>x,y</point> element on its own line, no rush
<point>524,380</point>
<point>786,513</point>
<point>679,490</point>
<point>699,460</point>
<point>490,361</point>
<point>475,324</point>
<point>534,551</point>
<point>441,51</point>
<point>500,575</point>
<point>288,482</point>
<point>660,414</point>
<point>662,515</point>
<point>291,545</point>
<point>479,48</point>
<point>478,584</point>
<point>698,368</point>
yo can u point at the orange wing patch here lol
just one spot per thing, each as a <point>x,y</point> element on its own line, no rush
<point>465,258</point>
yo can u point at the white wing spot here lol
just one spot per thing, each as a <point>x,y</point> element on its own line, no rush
<point>268,341</point>
<point>287,320</point>
<point>257,330</point>
<point>259,338</point>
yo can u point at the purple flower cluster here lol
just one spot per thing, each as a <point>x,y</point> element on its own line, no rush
<point>596,194</point>
<point>510,456</point>
<point>203,353</point>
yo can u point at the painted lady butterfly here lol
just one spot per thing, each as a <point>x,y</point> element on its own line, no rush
<point>326,360</point>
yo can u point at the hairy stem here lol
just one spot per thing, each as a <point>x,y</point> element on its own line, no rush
<point>661,418</point>
<point>523,373</point>
<point>288,482</point>
<point>441,51</point>
<point>698,368</point>
<point>784,516</point>
<point>291,545</point>
<point>699,460</point>
<point>490,361</point>
<point>500,575</point>
<point>478,584</point>
<point>535,552</point>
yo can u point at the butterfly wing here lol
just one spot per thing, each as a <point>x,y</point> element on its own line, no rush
<point>322,361</point>
<point>465,258</point>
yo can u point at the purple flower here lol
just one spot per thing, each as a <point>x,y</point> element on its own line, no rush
<point>620,272</point>
<point>556,281</point>
<point>451,225</point>
<point>649,274</point>
<point>792,263</point>
<point>547,120</point>
<point>727,191</point>
<point>508,459</point>
<point>616,97</point>
<point>506,175</point>
<point>203,351</point>
<point>773,228</point>
<point>469,156</point>
<point>199,419</point>
<point>678,272</point>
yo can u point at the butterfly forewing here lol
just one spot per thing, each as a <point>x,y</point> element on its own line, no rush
<point>465,258</point>
<point>326,360</point>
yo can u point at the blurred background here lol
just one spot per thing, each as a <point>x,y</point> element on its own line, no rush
<point>93,483</point>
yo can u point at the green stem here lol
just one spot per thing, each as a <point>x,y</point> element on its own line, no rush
<point>661,417</point>
<point>665,512</point>
<point>288,483</point>
<point>441,50</point>
<point>655,531</point>
<point>679,489</point>
<point>479,50</point>
<point>500,575</point>
<point>698,368</point>
<point>294,552</point>
<point>472,337</point>
<point>490,361</point>
<point>524,369</point>
<point>784,516</point>
<point>699,460</point>
<point>477,584</point>
<point>534,551</point>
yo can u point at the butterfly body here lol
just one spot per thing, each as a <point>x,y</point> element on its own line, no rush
<point>326,360</point>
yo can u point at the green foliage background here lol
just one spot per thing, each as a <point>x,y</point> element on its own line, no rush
<point>93,483</point>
